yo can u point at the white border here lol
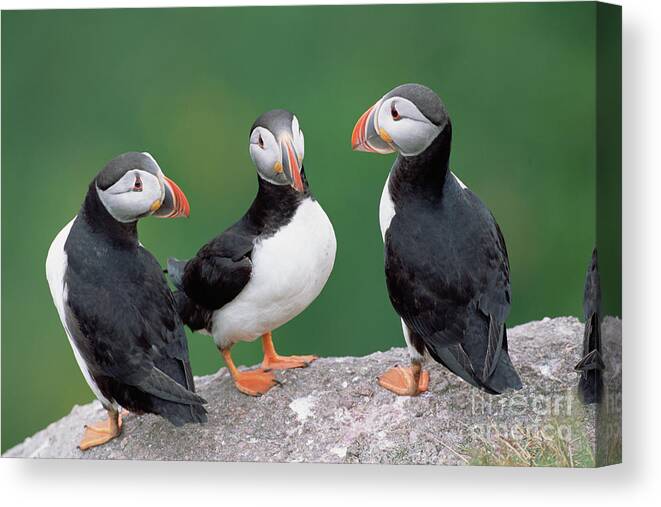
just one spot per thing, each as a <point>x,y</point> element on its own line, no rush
<point>637,481</point>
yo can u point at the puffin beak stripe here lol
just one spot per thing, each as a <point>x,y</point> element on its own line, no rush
<point>366,135</point>
<point>358,134</point>
<point>175,203</point>
<point>291,160</point>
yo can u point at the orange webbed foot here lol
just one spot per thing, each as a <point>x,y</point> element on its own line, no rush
<point>402,381</point>
<point>255,383</point>
<point>274,361</point>
<point>286,362</point>
<point>101,432</point>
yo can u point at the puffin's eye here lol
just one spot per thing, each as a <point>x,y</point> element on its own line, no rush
<point>394,113</point>
<point>137,186</point>
<point>260,141</point>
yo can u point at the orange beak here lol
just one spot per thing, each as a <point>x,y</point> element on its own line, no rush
<point>291,165</point>
<point>366,135</point>
<point>175,203</point>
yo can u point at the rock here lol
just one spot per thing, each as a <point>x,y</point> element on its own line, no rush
<point>334,412</point>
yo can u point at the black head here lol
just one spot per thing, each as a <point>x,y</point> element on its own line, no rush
<point>277,147</point>
<point>132,186</point>
<point>427,102</point>
<point>117,168</point>
<point>407,119</point>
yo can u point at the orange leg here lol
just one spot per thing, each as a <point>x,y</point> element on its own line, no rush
<point>406,381</point>
<point>252,383</point>
<point>273,361</point>
<point>102,432</point>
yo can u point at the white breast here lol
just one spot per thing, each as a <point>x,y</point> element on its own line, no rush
<point>290,269</point>
<point>56,267</point>
<point>461,183</point>
<point>386,209</point>
<point>387,206</point>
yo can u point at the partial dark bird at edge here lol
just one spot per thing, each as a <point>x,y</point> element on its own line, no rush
<point>591,366</point>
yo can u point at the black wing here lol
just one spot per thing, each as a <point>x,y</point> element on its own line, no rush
<point>219,271</point>
<point>124,323</point>
<point>447,273</point>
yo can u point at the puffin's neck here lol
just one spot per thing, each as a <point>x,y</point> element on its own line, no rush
<point>422,175</point>
<point>96,217</point>
<point>274,205</point>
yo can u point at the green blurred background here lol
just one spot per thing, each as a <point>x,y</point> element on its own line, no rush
<point>79,87</point>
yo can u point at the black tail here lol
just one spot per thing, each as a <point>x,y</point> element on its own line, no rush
<point>504,375</point>
<point>179,414</point>
<point>192,314</point>
<point>590,387</point>
<point>177,405</point>
<point>489,369</point>
<point>175,271</point>
<point>590,384</point>
<point>137,400</point>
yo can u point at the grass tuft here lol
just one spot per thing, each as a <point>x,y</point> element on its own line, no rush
<point>562,443</point>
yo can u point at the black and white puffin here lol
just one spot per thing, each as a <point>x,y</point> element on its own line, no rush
<point>268,267</point>
<point>591,366</point>
<point>115,304</point>
<point>446,264</point>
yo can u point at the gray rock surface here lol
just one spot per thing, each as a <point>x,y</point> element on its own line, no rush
<point>335,412</point>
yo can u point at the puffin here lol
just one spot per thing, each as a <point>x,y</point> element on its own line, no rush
<point>266,268</point>
<point>591,366</point>
<point>446,264</point>
<point>115,304</point>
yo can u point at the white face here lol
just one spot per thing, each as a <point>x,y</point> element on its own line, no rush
<point>137,194</point>
<point>299,140</point>
<point>269,156</point>
<point>400,123</point>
